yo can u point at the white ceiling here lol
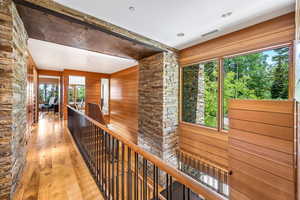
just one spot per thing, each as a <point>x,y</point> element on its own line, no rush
<point>53,56</point>
<point>161,20</point>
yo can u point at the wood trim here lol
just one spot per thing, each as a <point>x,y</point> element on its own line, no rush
<point>273,32</point>
<point>263,105</point>
<point>178,175</point>
<point>69,72</point>
<point>49,81</point>
<point>126,71</point>
<point>49,72</point>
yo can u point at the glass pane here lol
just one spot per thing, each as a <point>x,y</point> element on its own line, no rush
<point>200,94</point>
<point>80,91</point>
<point>70,95</point>
<point>76,80</point>
<point>262,75</point>
<point>105,95</point>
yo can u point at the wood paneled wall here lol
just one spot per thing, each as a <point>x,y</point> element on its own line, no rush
<point>209,143</point>
<point>206,144</point>
<point>262,155</point>
<point>269,33</point>
<point>124,102</point>
<point>49,81</point>
<point>92,90</point>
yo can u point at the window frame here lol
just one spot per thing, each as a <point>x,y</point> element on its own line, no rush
<point>220,67</point>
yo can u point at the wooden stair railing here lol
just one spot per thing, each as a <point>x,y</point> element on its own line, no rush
<point>123,170</point>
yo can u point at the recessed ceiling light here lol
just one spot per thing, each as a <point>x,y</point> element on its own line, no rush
<point>180,34</point>
<point>226,14</point>
<point>131,8</point>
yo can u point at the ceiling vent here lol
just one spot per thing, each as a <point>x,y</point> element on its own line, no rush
<point>209,33</point>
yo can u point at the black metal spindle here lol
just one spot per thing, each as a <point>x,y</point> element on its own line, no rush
<point>167,186</point>
<point>136,175</point>
<point>144,179</point>
<point>189,193</point>
<point>123,171</point>
<point>129,181</point>
<point>183,191</point>
<point>171,187</point>
<point>109,166</point>
<point>154,182</point>
<point>118,175</point>
<point>113,168</point>
<point>105,164</point>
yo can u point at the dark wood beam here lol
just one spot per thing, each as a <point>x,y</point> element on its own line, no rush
<point>44,24</point>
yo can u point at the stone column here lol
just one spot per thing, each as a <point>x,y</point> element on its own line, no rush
<point>158,105</point>
<point>13,87</point>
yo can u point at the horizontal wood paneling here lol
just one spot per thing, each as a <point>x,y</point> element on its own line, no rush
<point>49,81</point>
<point>49,72</point>
<point>124,102</point>
<point>269,33</point>
<point>261,149</point>
<point>205,143</point>
<point>92,90</point>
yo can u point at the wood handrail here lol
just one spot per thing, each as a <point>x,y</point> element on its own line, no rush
<point>175,173</point>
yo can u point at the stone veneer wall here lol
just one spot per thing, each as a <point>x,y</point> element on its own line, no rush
<point>13,84</point>
<point>158,105</point>
<point>193,94</point>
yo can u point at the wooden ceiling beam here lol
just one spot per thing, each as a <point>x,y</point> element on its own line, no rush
<point>103,25</point>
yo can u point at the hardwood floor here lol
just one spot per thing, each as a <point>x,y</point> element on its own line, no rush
<point>55,170</point>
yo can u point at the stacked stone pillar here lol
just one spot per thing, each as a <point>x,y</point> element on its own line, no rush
<point>13,87</point>
<point>159,105</point>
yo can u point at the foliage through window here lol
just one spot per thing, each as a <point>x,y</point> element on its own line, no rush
<point>200,94</point>
<point>260,75</point>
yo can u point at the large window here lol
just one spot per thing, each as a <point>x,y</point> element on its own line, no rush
<point>259,75</point>
<point>200,94</point>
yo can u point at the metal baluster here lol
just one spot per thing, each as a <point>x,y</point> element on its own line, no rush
<point>167,186</point>
<point>189,193</point>
<point>109,166</point>
<point>171,187</point>
<point>102,159</point>
<point>129,181</point>
<point>118,163</point>
<point>144,179</point>
<point>183,191</point>
<point>154,182</point>
<point>97,155</point>
<point>105,163</point>
<point>123,171</point>
<point>136,168</point>
<point>113,168</point>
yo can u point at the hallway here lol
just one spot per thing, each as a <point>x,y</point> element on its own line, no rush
<point>55,169</point>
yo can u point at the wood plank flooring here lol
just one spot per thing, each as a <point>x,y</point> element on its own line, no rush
<point>55,170</point>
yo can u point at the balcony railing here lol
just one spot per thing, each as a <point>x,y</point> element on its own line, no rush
<point>123,170</point>
<point>212,176</point>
